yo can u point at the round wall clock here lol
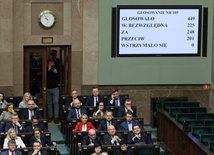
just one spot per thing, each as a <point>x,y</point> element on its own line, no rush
<point>47,19</point>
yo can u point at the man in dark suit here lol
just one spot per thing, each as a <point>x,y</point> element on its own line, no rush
<point>129,123</point>
<point>94,98</point>
<point>103,125</point>
<point>15,124</point>
<point>137,137</point>
<point>77,111</point>
<point>116,99</point>
<point>112,138</point>
<point>12,149</point>
<point>70,99</point>
<point>127,107</point>
<point>91,139</point>
<point>35,124</point>
<point>37,149</point>
<point>31,111</point>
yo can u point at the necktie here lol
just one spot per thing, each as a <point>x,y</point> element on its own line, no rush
<point>78,113</point>
<point>95,101</point>
<point>116,102</point>
<point>16,128</point>
<point>12,153</point>
<point>109,123</point>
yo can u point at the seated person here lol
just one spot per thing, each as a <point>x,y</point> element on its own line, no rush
<point>100,111</point>
<point>94,98</point>
<point>103,125</point>
<point>116,99</point>
<point>26,97</point>
<point>11,149</point>
<point>31,111</point>
<point>37,135</point>
<point>9,111</point>
<point>37,149</point>
<point>92,138</point>
<point>97,149</point>
<point>3,102</point>
<point>129,123</point>
<point>127,107</point>
<point>84,125</point>
<point>12,135</point>
<point>77,111</point>
<point>35,124</point>
<point>15,124</point>
<point>137,137</point>
<point>124,149</point>
<point>112,137</point>
<point>70,99</point>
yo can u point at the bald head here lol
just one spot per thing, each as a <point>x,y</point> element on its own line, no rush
<point>92,134</point>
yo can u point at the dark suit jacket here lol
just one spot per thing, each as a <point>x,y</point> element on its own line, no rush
<point>10,125</point>
<point>41,126</point>
<point>121,98</point>
<point>122,112</point>
<point>44,141</point>
<point>120,152</point>
<point>72,113</point>
<point>25,114</point>
<point>143,135</point>
<point>107,139</point>
<point>70,99</point>
<point>7,153</point>
<point>103,125</point>
<point>78,126</point>
<point>90,100</point>
<point>86,140</point>
<point>42,153</point>
<point>124,125</point>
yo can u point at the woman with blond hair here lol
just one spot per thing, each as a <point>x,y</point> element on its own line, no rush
<point>26,97</point>
<point>8,112</point>
<point>84,125</point>
<point>12,135</point>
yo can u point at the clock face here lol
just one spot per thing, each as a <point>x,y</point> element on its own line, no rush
<point>47,19</point>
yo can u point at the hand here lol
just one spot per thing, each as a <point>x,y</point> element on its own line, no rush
<point>117,138</point>
<point>55,71</point>
<point>54,143</point>
<point>18,124</point>
<point>112,96</point>
<point>35,152</point>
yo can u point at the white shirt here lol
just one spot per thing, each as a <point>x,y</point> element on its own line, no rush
<point>19,143</point>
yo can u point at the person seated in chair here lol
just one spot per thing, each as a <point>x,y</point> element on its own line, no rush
<point>129,123</point>
<point>103,125</point>
<point>112,137</point>
<point>100,111</point>
<point>124,149</point>
<point>37,135</point>
<point>9,111</point>
<point>94,98</point>
<point>37,149</point>
<point>12,149</point>
<point>15,124</point>
<point>91,139</point>
<point>84,125</point>
<point>97,149</point>
<point>3,102</point>
<point>116,99</point>
<point>127,107</point>
<point>35,124</point>
<point>31,111</point>
<point>137,137</point>
<point>70,99</point>
<point>77,111</point>
<point>12,135</point>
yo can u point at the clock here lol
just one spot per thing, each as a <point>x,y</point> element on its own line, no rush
<point>47,19</point>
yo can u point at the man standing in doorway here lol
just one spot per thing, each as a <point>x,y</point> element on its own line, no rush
<point>53,78</point>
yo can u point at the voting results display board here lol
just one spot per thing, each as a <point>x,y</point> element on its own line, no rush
<point>158,30</point>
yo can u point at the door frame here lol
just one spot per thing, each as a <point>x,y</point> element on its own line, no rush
<point>45,51</point>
